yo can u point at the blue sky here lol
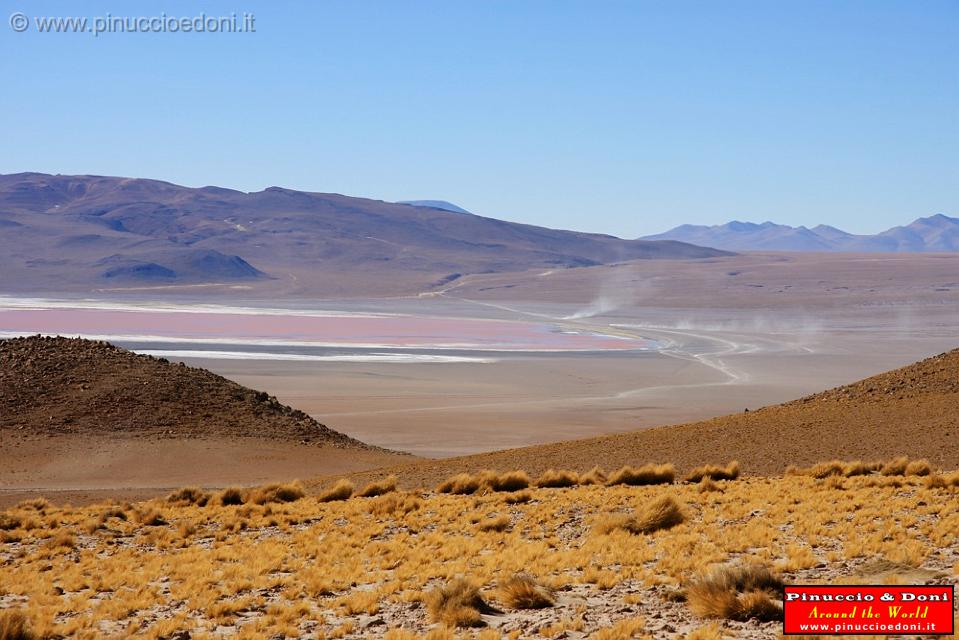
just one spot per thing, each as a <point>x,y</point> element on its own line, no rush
<point>619,117</point>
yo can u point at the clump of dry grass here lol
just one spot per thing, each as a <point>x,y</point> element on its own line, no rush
<point>150,518</point>
<point>553,479</point>
<point>374,489</point>
<point>819,470</point>
<point>644,475</point>
<point>707,485</point>
<point>919,468</point>
<point>9,522</point>
<point>499,523</point>
<point>824,470</point>
<point>342,490</point>
<point>229,497</point>
<point>593,476</point>
<point>62,540</point>
<point>460,484</point>
<point>14,625</point>
<point>522,591</point>
<point>662,513</point>
<point>518,497</point>
<point>942,480</point>
<point>189,495</point>
<point>395,504</point>
<point>458,604</point>
<point>895,467</point>
<point>289,492</point>
<point>736,592</point>
<point>509,481</point>
<point>714,472</point>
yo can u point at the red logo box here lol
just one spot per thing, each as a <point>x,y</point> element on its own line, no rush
<point>868,610</point>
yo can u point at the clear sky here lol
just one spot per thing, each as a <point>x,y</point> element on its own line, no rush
<point>620,117</point>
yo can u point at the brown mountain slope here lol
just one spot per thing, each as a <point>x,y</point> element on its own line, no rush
<point>911,411</point>
<point>60,386</point>
<point>69,233</point>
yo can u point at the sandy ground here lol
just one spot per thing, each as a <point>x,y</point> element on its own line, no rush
<point>81,468</point>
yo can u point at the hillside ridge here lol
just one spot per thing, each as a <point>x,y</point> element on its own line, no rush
<point>51,386</point>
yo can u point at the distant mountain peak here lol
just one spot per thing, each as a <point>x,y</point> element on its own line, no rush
<point>936,233</point>
<point>435,204</point>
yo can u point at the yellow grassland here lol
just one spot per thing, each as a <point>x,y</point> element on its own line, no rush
<point>403,564</point>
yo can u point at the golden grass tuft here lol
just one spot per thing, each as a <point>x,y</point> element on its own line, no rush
<point>522,591</point>
<point>150,518</point>
<point>62,540</point>
<point>707,485</point>
<point>644,475</point>
<point>625,629</point>
<point>342,490</point>
<point>8,522</point>
<point>509,481</point>
<point>824,470</point>
<point>498,524</point>
<point>919,468</point>
<point>736,592</point>
<point>229,497</point>
<point>458,604</point>
<point>553,479</point>
<point>374,489</point>
<point>189,495</point>
<point>14,625</point>
<point>517,497</point>
<point>662,513</point>
<point>942,480</point>
<point>593,476</point>
<point>714,472</point>
<point>460,484</point>
<point>895,467</point>
<point>395,504</point>
<point>289,492</point>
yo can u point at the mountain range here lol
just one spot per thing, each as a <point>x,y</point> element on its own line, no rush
<point>77,233</point>
<point>938,233</point>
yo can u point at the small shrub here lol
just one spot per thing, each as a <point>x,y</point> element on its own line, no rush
<point>14,625</point>
<point>553,479</point>
<point>374,489</point>
<point>458,604</point>
<point>522,591</point>
<point>662,513</point>
<point>460,484</point>
<point>714,472</point>
<point>342,490</point>
<point>644,475</point>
